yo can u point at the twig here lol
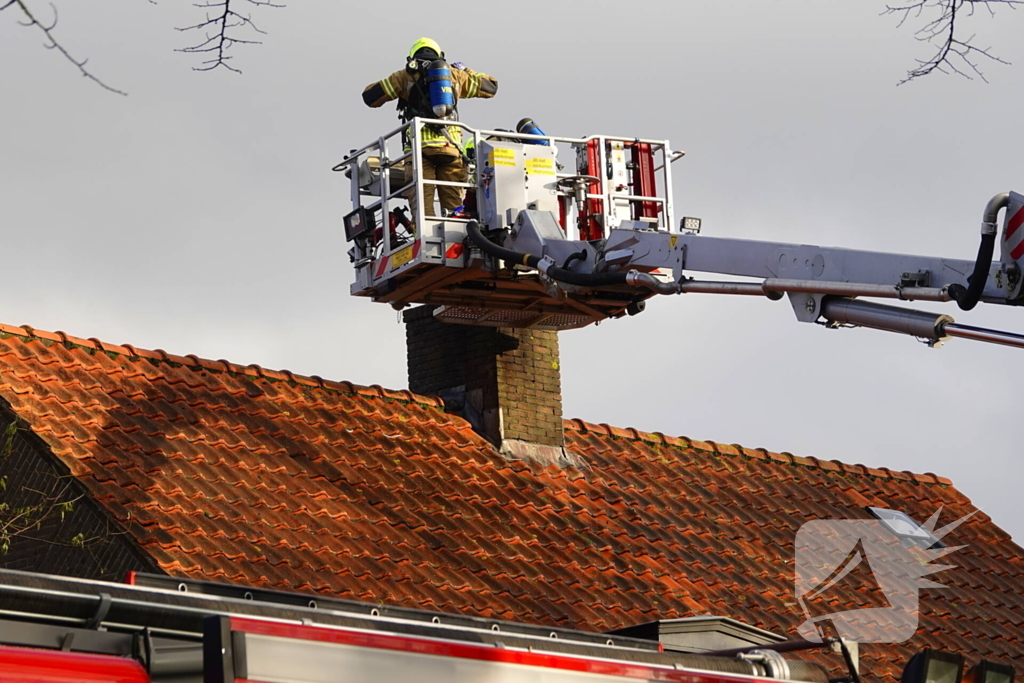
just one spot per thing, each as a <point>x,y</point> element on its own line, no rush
<point>18,522</point>
<point>953,54</point>
<point>53,44</point>
<point>220,38</point>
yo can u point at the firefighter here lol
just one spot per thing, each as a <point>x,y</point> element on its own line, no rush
<point>442,155</point>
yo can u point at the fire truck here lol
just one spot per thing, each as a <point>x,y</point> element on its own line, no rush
<point>159,628</point>
<point>163,629</point>
<point>559,233</point>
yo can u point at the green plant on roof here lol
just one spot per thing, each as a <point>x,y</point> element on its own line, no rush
<point>9,434</point>
<point>24,510</point>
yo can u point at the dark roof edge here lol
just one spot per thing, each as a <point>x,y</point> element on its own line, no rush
<point>736,450</point>
<point>92,345</point>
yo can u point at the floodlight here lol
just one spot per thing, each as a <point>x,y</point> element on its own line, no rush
<point>990,672</point>
<point>357,224</point>
<point>691,224</point>
<point>933,666</point>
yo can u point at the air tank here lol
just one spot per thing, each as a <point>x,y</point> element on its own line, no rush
<point>439,82</point>
<point>528,127</point>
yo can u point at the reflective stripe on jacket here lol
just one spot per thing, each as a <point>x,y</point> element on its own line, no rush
<point>465,82</point>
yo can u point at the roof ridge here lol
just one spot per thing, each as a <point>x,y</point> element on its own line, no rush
<point>93,344</point>
<point>785,458</point>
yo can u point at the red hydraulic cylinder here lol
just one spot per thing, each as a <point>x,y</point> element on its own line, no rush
<point>564,204</point>
<point>644,181</point>
<point>590,224</point>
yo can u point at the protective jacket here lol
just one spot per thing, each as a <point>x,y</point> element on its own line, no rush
<point>403,85</point>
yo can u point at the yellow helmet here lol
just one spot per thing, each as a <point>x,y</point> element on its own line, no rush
<point>425,43</point>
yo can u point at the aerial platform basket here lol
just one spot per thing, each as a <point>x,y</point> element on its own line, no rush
<point>525,190</point>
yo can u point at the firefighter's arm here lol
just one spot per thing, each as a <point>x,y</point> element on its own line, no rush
<point>376,94</point>
<point>475,84</point>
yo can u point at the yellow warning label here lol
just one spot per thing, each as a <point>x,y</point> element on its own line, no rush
<point>502,157</point>
<point>672,241</point>
<point>540,166</point>
<point>402,257</point>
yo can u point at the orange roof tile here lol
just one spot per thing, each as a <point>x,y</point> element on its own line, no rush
<point>236,473</point>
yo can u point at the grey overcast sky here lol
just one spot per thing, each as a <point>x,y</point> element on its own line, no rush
<point>199,214</point>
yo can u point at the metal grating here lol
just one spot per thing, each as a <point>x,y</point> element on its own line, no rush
<point>496,317</point>
<point>567,321</point>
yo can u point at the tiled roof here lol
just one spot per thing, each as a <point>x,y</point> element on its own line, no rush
<point>247,475</point>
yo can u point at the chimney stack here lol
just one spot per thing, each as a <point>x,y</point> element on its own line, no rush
<point>505,381</point>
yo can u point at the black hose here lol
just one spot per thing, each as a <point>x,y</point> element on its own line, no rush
<point>578,256</point>
<point>968,297</point>
<point>530,261</point>
<point>489,247</point>
<point>585,279</point>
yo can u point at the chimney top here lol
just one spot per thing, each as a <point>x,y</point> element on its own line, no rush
<point>504,381</point>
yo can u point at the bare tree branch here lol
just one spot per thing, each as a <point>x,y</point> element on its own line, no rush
<point>52,43</point>
<point>224,24</point>
<point>221,29</point>
<point>18,522</point>
<point>942,30</point>
<point>219,34</point>
<point>27,509</point>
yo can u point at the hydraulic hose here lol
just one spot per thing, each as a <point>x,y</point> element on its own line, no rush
<point>968,297</point>
<point>567,276</point>
<point>578,256</point>
<point>585,279</point>
<point>497,251</point>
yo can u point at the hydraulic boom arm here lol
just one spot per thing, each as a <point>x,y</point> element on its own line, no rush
<point>822,284</point>
<point>540,244</point>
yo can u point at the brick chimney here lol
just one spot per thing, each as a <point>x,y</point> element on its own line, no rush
<point>505,381</point>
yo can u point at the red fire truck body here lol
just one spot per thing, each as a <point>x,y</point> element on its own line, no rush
<point>58,629</point>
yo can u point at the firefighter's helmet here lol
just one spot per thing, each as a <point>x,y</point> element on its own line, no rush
<point>428,44</point>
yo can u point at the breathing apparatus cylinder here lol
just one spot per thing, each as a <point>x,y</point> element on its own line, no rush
<point>439,83</point>
<point>530,128</point>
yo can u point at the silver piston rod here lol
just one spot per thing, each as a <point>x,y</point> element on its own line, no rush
<point>931,326</point>
<point>983,334</point>
<point>774,288</point>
